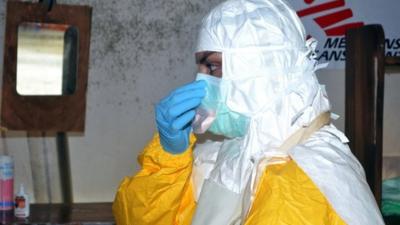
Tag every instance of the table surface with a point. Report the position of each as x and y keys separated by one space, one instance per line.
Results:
x=65 y=214
x=85 y=214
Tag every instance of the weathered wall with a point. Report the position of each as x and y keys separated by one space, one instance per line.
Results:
x=140 y=50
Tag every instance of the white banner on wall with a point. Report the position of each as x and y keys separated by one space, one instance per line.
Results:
x=327 y=21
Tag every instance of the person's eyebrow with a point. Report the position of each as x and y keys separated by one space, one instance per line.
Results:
x=204 y=58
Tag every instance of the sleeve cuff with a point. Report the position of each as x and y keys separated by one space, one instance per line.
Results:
x=154 y=154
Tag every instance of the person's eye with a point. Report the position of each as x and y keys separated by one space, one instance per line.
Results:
x=211 y=67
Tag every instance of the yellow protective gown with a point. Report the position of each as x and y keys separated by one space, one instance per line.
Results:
x=162 y=193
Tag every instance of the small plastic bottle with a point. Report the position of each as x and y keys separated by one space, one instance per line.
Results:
x=6 y=189
x=21 y=204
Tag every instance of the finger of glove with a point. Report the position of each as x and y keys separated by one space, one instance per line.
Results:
x=179 y=98
x=160 y=111
x=178 y=104
x=179 y=95
x=165 y=120
x=183 y=120
x=183 y=107
x=193 y=90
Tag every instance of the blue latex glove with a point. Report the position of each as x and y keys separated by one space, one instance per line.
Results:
x=175 y=113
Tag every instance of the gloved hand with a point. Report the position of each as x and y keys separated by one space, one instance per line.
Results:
x=175 y=113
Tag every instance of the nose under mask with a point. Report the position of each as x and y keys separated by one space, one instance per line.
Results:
x=213 y=115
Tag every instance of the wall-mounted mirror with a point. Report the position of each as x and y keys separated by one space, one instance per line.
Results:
x=46 y=59
x=46 y=63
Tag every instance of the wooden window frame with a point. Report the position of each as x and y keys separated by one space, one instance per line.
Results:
x=45 y=113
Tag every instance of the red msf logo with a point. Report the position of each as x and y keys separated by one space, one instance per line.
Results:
x=328 y=22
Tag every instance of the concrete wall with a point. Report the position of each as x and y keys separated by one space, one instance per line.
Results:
x=140 y=50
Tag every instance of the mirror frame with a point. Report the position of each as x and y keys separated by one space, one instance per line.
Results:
x=45 y=113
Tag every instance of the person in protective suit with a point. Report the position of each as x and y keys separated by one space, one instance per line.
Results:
x=279 y=161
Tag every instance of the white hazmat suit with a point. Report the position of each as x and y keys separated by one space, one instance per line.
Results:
x=269 y=68
x=268 y=76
